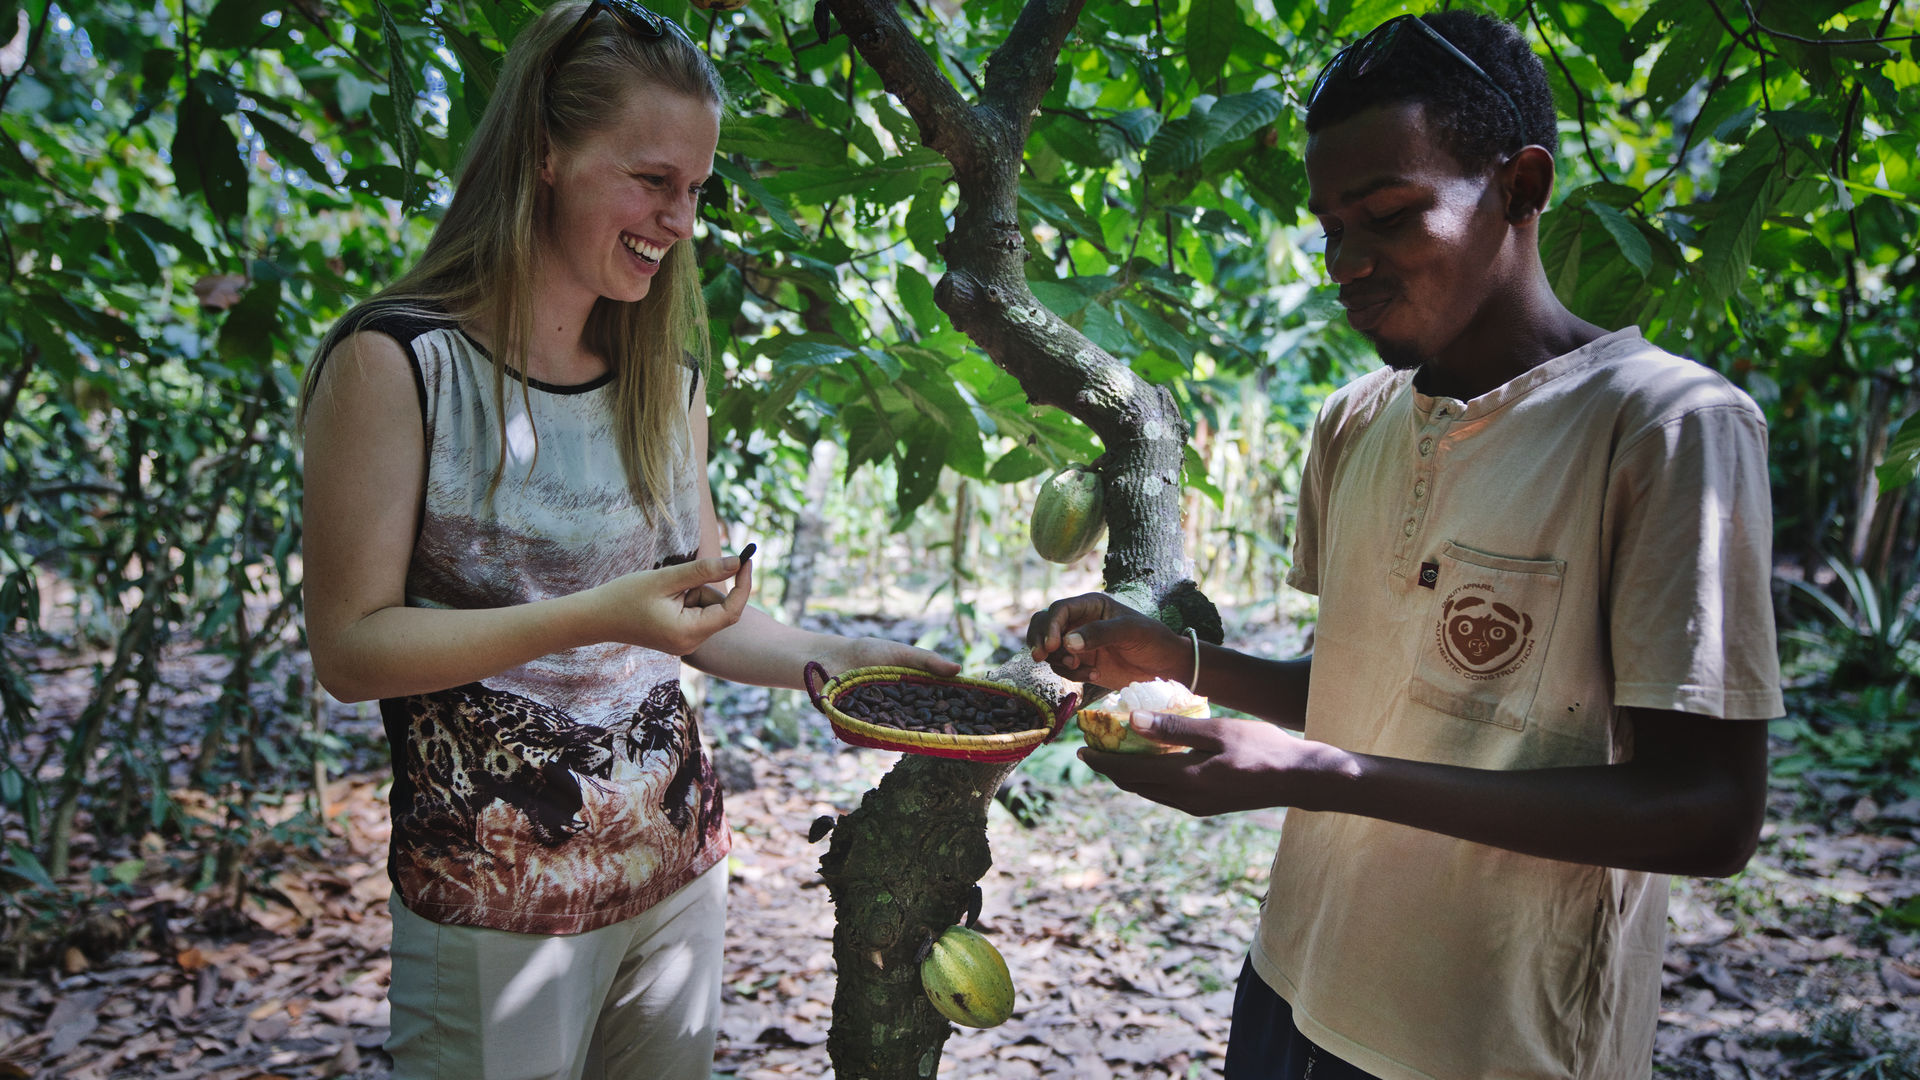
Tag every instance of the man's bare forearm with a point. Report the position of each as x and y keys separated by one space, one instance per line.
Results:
x=1273 y=690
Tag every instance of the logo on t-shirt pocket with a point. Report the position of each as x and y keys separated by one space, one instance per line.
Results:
x=1489 y=629
x=1480 y=636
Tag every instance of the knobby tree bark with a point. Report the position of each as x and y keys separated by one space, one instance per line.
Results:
x=904 y=866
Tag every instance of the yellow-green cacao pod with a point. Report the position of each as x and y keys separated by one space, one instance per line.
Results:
x=1069 y=516
x=966 y=979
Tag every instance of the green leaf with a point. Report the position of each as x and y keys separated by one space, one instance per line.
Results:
x=1799 y=123
x=26 y=866
x=353 y=93
x=1182 y=142
x=1906 y=915
x=916 y=295
x=926 y=223
x=893 y=180
x=1560 y=248
x=1075 y=138
x=157 y=67
x=725 y=290
x=889 y=364
x=293 y=151
x=233 y=23
x=1237 y=116
x=1685 y=59
x=400 y=95
x=1127 y=132
x=1211 y=25
x=206 y=156
x=1632 y=243
x=1728 y=242
x=56 y=352
x=796 y=352
x=774 y=205
x=13 y=787
x=1903 y=456
x=137 y=252
x=1061 y=298
x=1599 y=33
x=868 y=439
x=1058 y=208
x=1193 y=473
x=917 y=473
x=1101 y=328
x=479 y=64
x=1163 y=334
x=29 y=95
x=100 y=329
x=1016 y=465
x=247 y=333
x=781 y=139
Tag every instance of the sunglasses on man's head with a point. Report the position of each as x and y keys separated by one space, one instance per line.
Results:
x=1371 y=53
x=638 y=21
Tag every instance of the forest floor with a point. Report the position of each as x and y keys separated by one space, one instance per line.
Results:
x=1124 y=924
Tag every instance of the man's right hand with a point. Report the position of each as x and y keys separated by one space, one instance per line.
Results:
x=1095 y=638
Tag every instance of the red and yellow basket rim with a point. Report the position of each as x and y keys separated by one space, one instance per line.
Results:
x=1002 y=746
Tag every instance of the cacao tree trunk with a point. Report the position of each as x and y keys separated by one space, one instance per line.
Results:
x=901 y=869
x=904 y=864
x=809 y=536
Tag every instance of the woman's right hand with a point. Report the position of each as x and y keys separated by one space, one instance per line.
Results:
x=673 y=609
x=1095 y=638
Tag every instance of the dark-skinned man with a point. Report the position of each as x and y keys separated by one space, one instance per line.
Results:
x=1545 y=647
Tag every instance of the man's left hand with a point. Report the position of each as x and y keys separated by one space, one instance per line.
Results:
x=1228 y=765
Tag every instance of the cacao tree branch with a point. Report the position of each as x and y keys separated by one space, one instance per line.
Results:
x=1021 y=70
x=1579 y=95
x=10 y=396
x=36 y=33
x=985 y=292
x=947 y=123
x=903 y=864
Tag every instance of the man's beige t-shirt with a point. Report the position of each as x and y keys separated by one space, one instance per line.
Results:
x=1497 y=580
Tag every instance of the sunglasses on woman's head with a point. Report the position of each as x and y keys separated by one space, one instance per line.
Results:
x=1371 y=53
x=638 y=21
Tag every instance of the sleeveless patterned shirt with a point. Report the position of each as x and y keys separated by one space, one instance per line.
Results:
x=571 y=792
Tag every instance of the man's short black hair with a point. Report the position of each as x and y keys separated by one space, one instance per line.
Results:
x=1473 y=123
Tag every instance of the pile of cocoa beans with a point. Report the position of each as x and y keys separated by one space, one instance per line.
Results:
x=953 y=709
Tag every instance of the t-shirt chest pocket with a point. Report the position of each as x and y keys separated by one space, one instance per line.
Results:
x=1485 y=641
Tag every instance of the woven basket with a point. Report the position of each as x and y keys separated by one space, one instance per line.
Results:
x=1003 y=746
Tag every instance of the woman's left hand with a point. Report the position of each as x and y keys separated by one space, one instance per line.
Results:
x=875 y=652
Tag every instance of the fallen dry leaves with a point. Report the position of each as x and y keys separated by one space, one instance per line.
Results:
x=1124 y=925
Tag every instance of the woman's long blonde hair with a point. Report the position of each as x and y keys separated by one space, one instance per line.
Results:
x=480 y=263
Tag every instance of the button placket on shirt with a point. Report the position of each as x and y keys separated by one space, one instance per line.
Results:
x=1432 y=432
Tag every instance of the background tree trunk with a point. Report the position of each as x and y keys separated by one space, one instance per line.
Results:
x=809 y=535
x=903 y=865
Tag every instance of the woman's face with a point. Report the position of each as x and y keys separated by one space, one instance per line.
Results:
x=624 y=195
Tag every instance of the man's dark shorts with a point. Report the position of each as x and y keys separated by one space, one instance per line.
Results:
x=1264 y=1044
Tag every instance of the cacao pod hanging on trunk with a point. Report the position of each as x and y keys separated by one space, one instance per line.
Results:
x=1069 y=517
x=966 y=979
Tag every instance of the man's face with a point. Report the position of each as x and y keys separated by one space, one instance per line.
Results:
x=1414 y=244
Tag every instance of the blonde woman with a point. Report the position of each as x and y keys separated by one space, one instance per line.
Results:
x=510 y=542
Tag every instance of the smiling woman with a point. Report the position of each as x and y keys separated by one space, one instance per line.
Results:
x=621 y=198
x=518 y=574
